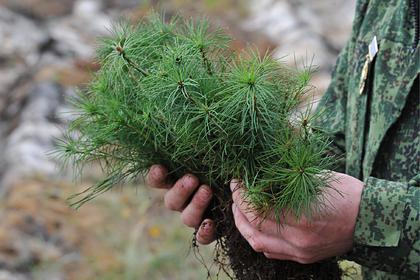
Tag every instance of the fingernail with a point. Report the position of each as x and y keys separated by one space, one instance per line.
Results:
x=208 y=228
x=233 y=208
x=233 y=184
x=158 y=172
x=203 y=194
x=188 y=182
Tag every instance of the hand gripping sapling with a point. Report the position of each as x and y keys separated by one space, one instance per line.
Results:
x=176 y=93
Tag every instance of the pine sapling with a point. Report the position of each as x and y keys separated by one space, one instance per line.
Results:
x=176 y=93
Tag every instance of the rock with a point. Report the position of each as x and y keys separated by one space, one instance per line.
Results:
x=39 y=9
x=18 y=50
x=43 y=102
x=77 y=33
x=9 y=275
x=41 y=72
x=123 y=4
x=24 y=150
x=330 y=19
x=306 y=31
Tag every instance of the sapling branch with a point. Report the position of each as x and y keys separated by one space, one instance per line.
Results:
x=205 y=62
x=129 y=61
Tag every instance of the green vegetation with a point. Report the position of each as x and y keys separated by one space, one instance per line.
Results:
x=176 y=93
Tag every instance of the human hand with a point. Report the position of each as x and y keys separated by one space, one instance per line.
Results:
x=177 y=198
x=327 y=236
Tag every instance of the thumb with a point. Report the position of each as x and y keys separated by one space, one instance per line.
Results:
x=158 y=177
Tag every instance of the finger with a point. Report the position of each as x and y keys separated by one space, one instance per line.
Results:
x=249 y=232
x=238 y=195
x=301 y=258
x=158 y=177
x=273 y=246
x=205 y=234
x=270 y=255
x=241 y=200
x=176 y=198
x=256 y=219
x=266 y=222
x=193 y=213
x=288 y=244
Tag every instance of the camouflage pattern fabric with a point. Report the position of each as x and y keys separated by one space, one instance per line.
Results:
x=379 y=133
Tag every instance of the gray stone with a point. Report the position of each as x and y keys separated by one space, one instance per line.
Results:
x=19 y=41
x=24 y=149
x=9 y=275
x=304 y=29
x=39 y=9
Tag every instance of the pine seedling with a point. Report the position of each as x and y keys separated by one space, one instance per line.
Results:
x=176 y=93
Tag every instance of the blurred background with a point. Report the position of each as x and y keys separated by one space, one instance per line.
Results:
x=126 y=234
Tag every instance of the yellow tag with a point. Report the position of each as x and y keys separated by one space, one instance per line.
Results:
x=373 y=50
x=364 y=75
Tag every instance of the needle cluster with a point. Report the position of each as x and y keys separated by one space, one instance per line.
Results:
x=176 y=93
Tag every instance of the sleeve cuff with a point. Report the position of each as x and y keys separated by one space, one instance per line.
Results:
x=380 y=214
x=387 y=227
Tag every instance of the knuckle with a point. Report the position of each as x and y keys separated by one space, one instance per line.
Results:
x=189 y=220
x=172 y=206
x=304 y=245
x=304 y=255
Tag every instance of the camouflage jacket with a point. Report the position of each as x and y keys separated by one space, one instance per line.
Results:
x=378 y=130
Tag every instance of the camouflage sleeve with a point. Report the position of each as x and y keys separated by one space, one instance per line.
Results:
x=387 y=228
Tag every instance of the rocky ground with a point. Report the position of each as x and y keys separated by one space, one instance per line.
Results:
x=44 y=48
